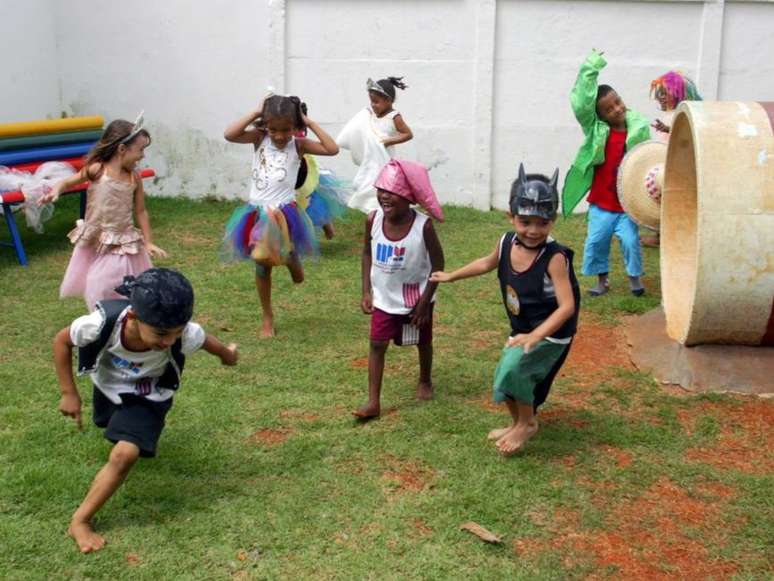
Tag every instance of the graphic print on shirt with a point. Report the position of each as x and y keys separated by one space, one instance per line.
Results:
x=411 y=294
x=512 y=299
x=390 y=257
x=144 y=386
x=129 y=366
x=271 y=167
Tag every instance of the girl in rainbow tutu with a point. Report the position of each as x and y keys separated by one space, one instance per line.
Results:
x=272 y=229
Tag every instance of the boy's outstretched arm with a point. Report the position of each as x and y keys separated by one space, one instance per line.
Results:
x=228 y=354
x=583 y=97
x=559 y=273
x=421 y=314
x=476 y=268
x=70 y=404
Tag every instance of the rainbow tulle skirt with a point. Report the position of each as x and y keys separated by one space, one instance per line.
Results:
x=269 y=235
x=322 y=194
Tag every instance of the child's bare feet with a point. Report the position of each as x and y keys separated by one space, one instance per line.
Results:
x=515 y=439
x=368 y=411
x=424 y=391
x=498 y=433
x=84 y=536
x=267 y=328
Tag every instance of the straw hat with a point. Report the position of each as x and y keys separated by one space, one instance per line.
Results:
x=641 y=181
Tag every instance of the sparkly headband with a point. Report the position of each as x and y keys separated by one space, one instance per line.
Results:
x=139 y=125
x=374 y=86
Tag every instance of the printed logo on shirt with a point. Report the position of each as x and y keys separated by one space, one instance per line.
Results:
x=389 y=257
x=144 y=386
x=411 y=295
x=129 y=366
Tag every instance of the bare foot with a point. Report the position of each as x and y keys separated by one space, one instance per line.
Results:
x=328 y=231
x=84 y=536
x=515 y=439
x=424 y=391
x=368 y=411
x=267 y=328
x=498 y=433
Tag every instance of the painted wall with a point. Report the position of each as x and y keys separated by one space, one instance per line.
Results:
x=30 y=63
x=488 y=79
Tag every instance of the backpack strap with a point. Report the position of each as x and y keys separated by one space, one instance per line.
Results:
x=89 y=354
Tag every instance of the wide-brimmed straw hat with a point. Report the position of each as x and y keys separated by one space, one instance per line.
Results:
x=640 y=182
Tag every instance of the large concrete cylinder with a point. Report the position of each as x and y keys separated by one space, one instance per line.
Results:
x=717 y=224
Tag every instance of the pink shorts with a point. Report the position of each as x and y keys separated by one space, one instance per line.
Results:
x=398 y=328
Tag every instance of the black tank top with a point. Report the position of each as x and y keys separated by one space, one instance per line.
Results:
x=524 y=294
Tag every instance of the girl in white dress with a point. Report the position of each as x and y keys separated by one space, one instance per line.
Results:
x=370 y=136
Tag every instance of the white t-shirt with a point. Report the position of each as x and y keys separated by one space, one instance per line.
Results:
x=120 y=370
x=400 y=269
x=273 y=179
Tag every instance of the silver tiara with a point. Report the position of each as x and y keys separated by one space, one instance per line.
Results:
x=373 y=86
x=139 y=125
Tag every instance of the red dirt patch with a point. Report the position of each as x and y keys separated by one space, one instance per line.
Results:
x=270 y=437
x=561 y=415
x=421 y=527
x=299 y=415
x=596 y=351
x=746 y=439
x=359 y=363
x=407 y=475
x=622 y=458
x=132 y=559
x=652 y=536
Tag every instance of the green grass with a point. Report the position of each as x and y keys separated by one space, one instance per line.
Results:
x=336 y=499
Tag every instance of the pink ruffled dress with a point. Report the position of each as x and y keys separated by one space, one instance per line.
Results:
x=107 y=244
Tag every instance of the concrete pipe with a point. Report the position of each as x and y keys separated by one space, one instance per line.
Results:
x=717 y=224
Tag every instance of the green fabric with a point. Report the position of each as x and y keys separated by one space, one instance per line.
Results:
x=583 y=99
x=518 y=373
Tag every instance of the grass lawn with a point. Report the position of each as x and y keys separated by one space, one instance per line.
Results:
x=262 y=472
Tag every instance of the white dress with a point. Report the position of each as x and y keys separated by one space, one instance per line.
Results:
x=363 y=136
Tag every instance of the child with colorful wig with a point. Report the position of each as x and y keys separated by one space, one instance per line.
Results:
x=272 y=229
x=671 y=89
x=400 y=251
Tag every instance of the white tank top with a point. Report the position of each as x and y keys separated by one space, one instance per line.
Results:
x=273 y=179
x=399 y=268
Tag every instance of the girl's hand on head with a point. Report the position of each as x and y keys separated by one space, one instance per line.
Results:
x=70 y=406
x=155 y=251
x=524 y=340
x=659 y=125
x=231 y=355
x=366 y=304
x=440 y=276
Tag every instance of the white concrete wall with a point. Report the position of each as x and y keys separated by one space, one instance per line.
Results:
x=193 y=66
x=30 y=67
x=488 y=79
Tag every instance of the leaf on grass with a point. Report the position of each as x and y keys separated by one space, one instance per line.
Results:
x=481 y=532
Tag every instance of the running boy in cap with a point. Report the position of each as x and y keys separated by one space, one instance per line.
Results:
x=135 y=351
x=541 y=298
x=400 y=251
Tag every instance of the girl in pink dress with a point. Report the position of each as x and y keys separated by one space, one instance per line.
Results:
x=108 y=246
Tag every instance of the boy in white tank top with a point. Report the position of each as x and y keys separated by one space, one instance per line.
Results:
x=400 y=251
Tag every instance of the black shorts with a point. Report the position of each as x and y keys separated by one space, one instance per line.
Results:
x=137 y=420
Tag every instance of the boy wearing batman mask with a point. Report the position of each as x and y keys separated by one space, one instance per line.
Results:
x=135 y=351
x=541 y=298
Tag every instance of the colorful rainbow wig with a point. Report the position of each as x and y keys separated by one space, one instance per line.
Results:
x=677 y=88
